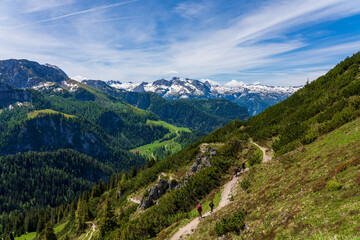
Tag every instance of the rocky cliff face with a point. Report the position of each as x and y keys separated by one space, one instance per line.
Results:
x=154 y=194
x=9 y=95
x=52 y=132
x=26 y=74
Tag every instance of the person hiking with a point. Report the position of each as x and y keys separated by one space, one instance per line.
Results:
x=243 y=166
x=199 y=209
x=211 y=205
x=236 y=170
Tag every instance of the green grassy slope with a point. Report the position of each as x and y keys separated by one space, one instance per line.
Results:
x=171 y=143
x=307 y=193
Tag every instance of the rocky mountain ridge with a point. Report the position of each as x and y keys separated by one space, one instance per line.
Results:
x=255 y=97
x=26 y=74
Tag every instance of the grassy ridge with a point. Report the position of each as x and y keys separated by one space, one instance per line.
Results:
x=39 y=113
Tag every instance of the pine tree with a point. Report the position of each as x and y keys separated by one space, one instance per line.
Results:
x=124 y=177
x=81 y=215
x=72 y=209
x=41 y=224
x=60 y=215
x=133 y=172
x=11 y=236
x=49 y=232
x=108 y=222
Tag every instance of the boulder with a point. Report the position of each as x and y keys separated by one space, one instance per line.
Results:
x=173 y=184
x=194 y=168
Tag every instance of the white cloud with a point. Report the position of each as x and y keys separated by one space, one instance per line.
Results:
x=79 y=78
x=234 y=83
x=213 y=83
x=191 y=9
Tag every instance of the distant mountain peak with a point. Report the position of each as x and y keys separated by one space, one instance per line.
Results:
x=23 y=73
x=255 y=97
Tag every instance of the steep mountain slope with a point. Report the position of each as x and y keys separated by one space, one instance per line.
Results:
x=308 y=193
x=202 y=115
x=255 y=97
x=26 y=74
x=36 y=179
x=318 y=108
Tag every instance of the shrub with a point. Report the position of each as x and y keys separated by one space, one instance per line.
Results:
x=319 y=185
x=308 y=138
x=255 y=159
x=333 y=185
x=355 y=161
x=245 y=184
x=342 y=167
x=232 y=224
x=357 y=180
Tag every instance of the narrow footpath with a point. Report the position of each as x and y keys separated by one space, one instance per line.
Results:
x=188 y=229
x=229 y=190
x=91 y=230
x=266 y=156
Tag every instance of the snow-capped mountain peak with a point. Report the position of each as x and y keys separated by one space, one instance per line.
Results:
x=255 y=97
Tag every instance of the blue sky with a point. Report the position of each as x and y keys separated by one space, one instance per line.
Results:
x=272 y=42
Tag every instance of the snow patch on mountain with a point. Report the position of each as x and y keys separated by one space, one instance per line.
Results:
x=255 y=97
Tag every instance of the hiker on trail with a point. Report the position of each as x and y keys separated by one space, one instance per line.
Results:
x=243 y=166
x=199 y=209
x=211 y=205
x=236 y=170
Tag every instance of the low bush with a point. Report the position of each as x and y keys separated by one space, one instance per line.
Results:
x=357 y=180
x=342 y=167
x=333 y=185
x=245 y=184
x=319 y=185
x=232 y=224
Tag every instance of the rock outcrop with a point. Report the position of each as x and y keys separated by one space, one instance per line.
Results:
x=161 y=187
x=154 y=194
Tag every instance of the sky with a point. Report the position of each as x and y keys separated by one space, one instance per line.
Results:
x=272 y=42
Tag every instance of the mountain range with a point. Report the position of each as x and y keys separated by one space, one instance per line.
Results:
x=301 y=178
x=45 y=114
x=255 y=97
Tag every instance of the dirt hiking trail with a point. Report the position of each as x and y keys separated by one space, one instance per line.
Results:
x=229 y=190
x=267 y=156
x=226 y=194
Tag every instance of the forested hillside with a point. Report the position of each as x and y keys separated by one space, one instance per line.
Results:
x=68 y=137
x=318 y=108
x=36 y=179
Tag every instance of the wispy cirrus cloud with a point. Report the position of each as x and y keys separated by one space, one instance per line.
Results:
x=33 y=6
x=192 y=9
x=74 y=14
